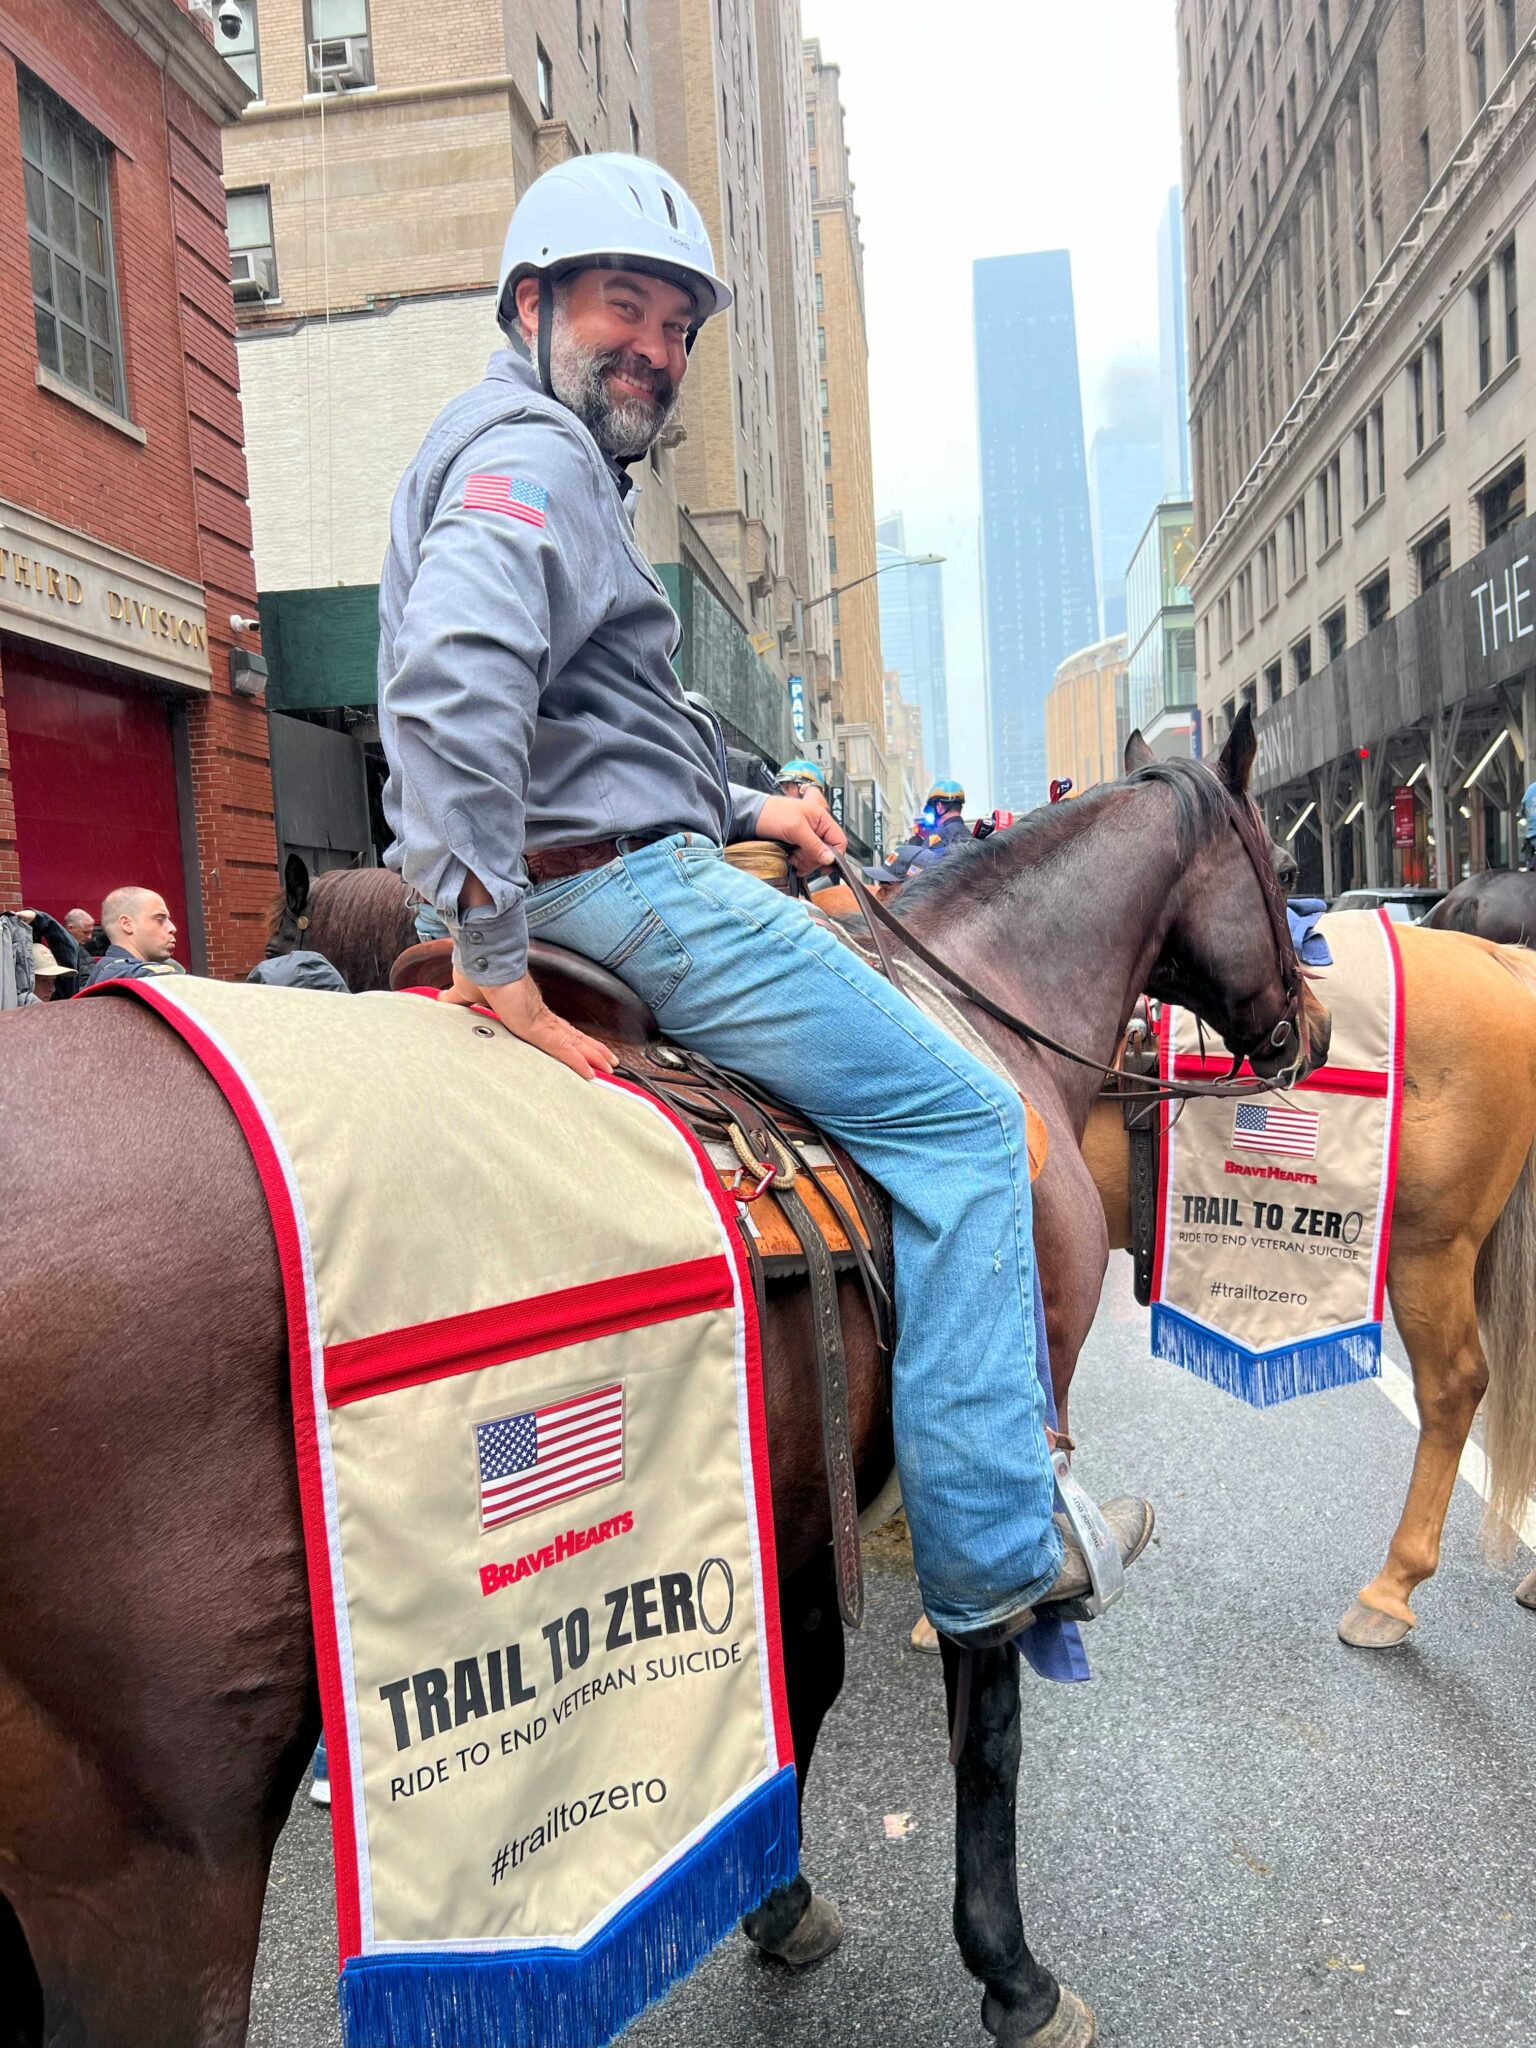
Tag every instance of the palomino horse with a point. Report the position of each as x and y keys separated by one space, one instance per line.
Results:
x=1463 y=1247
x=157 y=1686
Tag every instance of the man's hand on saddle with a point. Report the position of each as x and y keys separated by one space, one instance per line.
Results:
x=806 y=827
x=527 y=1016
x=524 y=1011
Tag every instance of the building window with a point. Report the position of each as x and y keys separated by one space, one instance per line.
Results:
x=340 y=49
x=1503 y=502
x=1507 y=31
x=826 y=449
x=1244 y=603
x=1296 y=542
x=1432 y=556
x=827 y=497
x=634 y=134
x=815 y=186
x=1424 y=160
x=1301 y=659
x=1370 y=458
x=821 y=344
x=627 y=15
x=69 y=239
x=837 y=659
x=1416 y=402
x=824 y=394
x=1333 y=633
x=1273 y=685
x=1478 y=59
x=810 y=127
x=1482 y=307
x=815 y=237
x=544 y=74
x=819 y=298
x=1376 y=601
x=1224 y=624
x=1420 y=26
x=1434 y=361
x=597 y=62
x=1329 y=517
x=252 y=258
x=241 y=51
x=837 y=608
x=741 y=404
x=1511 y=303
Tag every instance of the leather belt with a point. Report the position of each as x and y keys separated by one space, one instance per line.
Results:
x=556 y=862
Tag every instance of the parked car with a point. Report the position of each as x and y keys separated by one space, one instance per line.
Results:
x=1404 y=906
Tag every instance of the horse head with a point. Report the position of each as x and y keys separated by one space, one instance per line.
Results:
x=1227 y=953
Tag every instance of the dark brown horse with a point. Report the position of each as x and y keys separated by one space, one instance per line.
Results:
x=1499 y=905
x=157 y=1691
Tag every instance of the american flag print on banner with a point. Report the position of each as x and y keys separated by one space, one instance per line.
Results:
x=550 y=1454
x=1269 y=1127
x=514 y=495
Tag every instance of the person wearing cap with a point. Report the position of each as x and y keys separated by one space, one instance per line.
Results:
x=796 y=777
x=548 y=776
x=46 y=972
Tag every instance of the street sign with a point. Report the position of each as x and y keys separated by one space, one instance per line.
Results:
x=1404 y=815
x=797 y=705
x=764 y=643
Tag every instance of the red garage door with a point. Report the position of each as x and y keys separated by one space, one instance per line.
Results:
x=95 y=784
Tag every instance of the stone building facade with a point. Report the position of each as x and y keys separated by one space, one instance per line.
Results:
x=125 y=753
x=1358 y=185
x=1085 y=716
x=842 y=355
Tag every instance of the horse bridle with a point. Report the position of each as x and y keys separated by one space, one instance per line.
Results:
x=1145 y=1087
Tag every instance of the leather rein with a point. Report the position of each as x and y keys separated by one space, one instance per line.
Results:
x=1143 y=1087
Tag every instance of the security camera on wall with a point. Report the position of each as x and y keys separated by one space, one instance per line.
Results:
x=230 y=17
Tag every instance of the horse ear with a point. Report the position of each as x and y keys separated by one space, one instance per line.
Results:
x=1137 y=753
x=295 y=884
x=1236 y=763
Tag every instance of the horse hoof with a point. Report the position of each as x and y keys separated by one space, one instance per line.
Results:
x=1071 y=2025
x=1367 y=1628
x=1525 y=1592
x=925 y=1637
x=814 y=1936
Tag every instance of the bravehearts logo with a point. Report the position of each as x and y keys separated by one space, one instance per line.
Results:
x=494 y=1576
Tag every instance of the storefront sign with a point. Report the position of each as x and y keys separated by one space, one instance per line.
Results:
x=69 y=591
x=1404 y=816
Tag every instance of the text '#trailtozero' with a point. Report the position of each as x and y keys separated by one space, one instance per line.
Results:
x=549 y=1454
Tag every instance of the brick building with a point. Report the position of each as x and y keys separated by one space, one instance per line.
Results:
x=125 y=756
x=1359 y=182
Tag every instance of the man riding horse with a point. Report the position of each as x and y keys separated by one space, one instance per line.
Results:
x=548 y=776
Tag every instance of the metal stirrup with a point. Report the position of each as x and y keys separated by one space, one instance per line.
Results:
x=1106 y=1571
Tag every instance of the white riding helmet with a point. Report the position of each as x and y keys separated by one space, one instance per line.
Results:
x=620 y=210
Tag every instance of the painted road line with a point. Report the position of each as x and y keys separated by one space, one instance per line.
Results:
x=1398 y=1388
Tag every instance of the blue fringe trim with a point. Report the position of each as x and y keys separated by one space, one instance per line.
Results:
x=580 y=1998
x=1264 y=1378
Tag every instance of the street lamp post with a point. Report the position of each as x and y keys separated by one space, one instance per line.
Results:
x=902 y=562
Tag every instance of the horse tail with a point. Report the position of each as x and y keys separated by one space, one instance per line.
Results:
x=1506 y=1313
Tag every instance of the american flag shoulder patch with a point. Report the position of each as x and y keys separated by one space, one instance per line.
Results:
x=1274 y=1127
x=549 y=1454
x=513 y=495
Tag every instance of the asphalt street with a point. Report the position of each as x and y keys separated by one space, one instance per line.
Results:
x=1239 y=1835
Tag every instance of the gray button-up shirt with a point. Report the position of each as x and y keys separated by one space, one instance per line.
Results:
x=526 y=692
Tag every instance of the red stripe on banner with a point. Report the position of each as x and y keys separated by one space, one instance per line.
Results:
x=1189 y=1066
x=756 y=1416
x=366 y=1366
x=1165 y=1128
x=1394 y=1117
x=317 y=1546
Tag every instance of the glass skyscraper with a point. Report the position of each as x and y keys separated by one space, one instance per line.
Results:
x=1172 y=350
x=1125 y=481
x=1037 y=543
x=912 y=637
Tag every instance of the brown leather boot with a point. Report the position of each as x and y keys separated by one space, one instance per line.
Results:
x=1131 y=1523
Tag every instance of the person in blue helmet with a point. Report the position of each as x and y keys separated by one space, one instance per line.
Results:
x=799 y=775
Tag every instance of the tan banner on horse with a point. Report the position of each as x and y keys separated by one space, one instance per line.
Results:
x=533 y=1463
x=1274 y=1210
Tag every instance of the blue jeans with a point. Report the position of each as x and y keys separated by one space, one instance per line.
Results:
x=743 y=973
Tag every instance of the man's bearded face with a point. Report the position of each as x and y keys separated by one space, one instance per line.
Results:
x=623 y=401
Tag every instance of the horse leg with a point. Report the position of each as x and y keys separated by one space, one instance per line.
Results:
x=793 y=1923
x=1432 y=1300
x=1024 y=2006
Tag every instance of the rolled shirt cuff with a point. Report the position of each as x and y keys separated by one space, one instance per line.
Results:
x=492 y=947
x=746 y=808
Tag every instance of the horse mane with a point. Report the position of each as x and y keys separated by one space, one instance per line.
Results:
x=359 y=918
x=977 y=869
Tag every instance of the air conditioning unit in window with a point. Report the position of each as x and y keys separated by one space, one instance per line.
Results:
x=341 y=63
x=253 y=276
